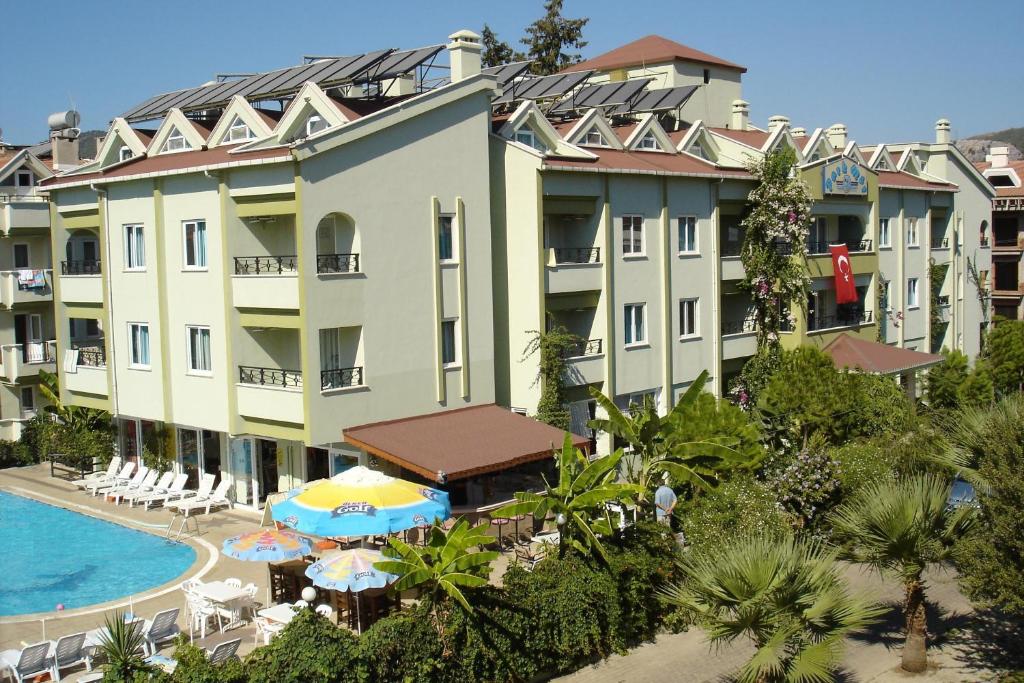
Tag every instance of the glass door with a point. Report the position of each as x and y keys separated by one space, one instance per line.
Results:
x=34 y=348
x=266 y=468
x=242 y=470
x=209 y=449
x=188 y=455
x=130 y=439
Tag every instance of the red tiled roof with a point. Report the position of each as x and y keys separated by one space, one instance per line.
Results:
x=624 y=130
x=651 y=162
x=461 y=443
x=751 y=138
x=146 y=135
x=848 y=351
x=650 y=50
x=171 y=162
x=902 y=179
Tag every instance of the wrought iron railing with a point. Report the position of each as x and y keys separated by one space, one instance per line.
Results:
x=80 y=267
x=339 y=378
x=984 y=240
x=577 y=254
x=271 y=377
x=825 y=322
x=940 y=242
x=93 y=357
x=739 y=326
x=814 y=247
x=1006 y=241
x=337 y=263
x=265 y=265
x=584 y=347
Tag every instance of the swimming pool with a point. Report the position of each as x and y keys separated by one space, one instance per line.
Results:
x=55 y=556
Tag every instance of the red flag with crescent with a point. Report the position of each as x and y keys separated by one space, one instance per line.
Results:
x=846 y=289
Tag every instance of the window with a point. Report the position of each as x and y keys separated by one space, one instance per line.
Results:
x=648 y=141
x=883 y=232
x=21 y=256
x=176 y=142
x=912 y=232
x=134 y=248
x=138 y=345
x=527 y=137
x=195 y=244
x=688 y=318
x=634 y=325
x=199 y=349
x=633 y=235
x=28 y=400
x=238 y=131
x=707 y=76
x=23 y=178
x=444 y=237
x=449 y=347
x=125 y=153
x=688 y=235
x=697 y=150
x=912 y=293
x=639 y=398
x=594 y=137
x=92 y=327
x=314 y=124
x=886 y=295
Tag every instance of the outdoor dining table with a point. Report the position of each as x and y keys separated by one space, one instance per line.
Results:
x=280 y=614
x=222 y=594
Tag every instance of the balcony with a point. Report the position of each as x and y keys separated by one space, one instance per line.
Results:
x=739 y=338
x=585 y=362
x=944 y=309
x=90 y=376
x=35 y=287
x=817 y=323
x=341 y=378
x=1006 y=240
x=983 y=241
x=337 y=264
x=81 y=267
x=266 y=282
x=820 y=248
x=940 y=242
x=270 y=394
x=80 y=282
x=23 y=212
x=573 y=269
x=25 y=360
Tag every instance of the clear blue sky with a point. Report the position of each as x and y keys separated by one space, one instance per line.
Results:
x=886 y=68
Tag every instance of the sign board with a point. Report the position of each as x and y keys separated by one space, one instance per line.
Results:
x=843 y=176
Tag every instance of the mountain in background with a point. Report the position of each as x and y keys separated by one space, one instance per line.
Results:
x=87 y=143
x=977 y=146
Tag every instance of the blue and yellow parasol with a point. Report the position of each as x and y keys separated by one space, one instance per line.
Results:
x=350 y=570
x=268 y=545
x=361 y=502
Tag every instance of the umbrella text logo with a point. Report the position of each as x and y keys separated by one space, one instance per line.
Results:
x=354 y=509
x=429 y=494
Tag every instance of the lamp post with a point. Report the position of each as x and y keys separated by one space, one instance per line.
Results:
x=560 y=521
x=309 y=595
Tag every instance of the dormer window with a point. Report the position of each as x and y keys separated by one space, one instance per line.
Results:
x=648 y=142
x=527 y=137
x=23 y=179
x=922 y=161
x=697 y=150
x=1000 y=180
x=814 y=157
x=239 y=131
x=176 y=142
x=314 y=124
x=125 y=153
x=594 y=138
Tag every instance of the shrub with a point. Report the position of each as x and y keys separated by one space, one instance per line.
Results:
x=195 y=667
x=642 y=564
x=401 y=648
x=488 y=644
x=742 y=505
x=309 y=650
x=944 y=380
x=1005 y=355
x=807 y=486
x=863 y=463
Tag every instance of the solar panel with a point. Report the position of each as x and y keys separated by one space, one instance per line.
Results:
x=603 y=95
x=541 y=87
x=506 y=72
x=399 y=63
x=662 y=99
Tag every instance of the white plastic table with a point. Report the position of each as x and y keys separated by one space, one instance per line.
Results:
x=281 y=614
x=222 y=594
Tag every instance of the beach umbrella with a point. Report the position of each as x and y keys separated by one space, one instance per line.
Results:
x=350 y=570
x=267 y=545
x=360 y=502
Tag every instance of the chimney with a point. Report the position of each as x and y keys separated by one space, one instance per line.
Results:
x=740 y=115
x=798 y=132
x=999 y=156
x=836 y=135
x=402 y=85
x=942 y=130
x=777 y=121
x=464 y=54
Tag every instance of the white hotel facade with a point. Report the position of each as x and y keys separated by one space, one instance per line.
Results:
x=268 y=270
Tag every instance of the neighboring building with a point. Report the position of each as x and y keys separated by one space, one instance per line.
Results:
x=1007 y=281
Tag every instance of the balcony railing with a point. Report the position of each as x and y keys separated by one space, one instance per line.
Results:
x=339 y=378
x=337 y=263
x=984 y=240
x=265 y=265
x=584 y=347
x=825 y=322
x=823 y=247
x=80 y=267
x=940 y=242
x=93 y=357
x=732 y=248
x=577 y=255
x=270 y=377
x=1006 y=240
x=739 y=326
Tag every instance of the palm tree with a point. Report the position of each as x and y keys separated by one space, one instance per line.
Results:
x=579 y=500
x=899 y=527
x=121 y=644
x=783 y=594
x=75 y=417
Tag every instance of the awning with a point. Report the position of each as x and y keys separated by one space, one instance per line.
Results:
x=461 y=443
x=848 y=351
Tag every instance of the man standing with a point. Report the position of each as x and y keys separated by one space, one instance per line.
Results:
x=664 y=502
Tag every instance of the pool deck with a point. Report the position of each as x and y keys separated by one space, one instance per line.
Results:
x=36 y=482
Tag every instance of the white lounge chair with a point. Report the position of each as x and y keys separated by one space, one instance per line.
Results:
x=67 y=652
x=172 y=492
x=111 y=472
x=161 y=484
x=163 y=628
x=140 y=475
x=123 y=476
x=219 y=498
x=27 y=663
x=225 y=651
x=145 y=485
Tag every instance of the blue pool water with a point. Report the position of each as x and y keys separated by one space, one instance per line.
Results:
x=51 y=555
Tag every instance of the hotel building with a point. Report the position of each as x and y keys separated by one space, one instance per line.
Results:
x=1007 y=282
x=300 y=268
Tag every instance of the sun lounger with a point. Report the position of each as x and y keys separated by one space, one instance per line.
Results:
x=67 y=652
x=111 y=472
x=147 y=483
x=124 y=476
x=216 y=499
x=27 y=663
x=173 y=492
x=162 y=629
x=134 y=482
x=161 y=486
x=205 y=487
x=225 y=651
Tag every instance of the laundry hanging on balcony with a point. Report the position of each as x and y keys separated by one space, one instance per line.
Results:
x=31 y=279
x=846 y=288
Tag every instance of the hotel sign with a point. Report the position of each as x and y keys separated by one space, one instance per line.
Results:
x=843 y=176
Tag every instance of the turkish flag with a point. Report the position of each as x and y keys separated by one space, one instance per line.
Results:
x=846 y=289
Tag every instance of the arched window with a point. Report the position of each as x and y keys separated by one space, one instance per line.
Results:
x=337 y=245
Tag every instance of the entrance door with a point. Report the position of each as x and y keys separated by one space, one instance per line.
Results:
x=242 y=470
x=130 y=439
x=35 y=349
x=266 y=467
x=188 y=455
x=209 y=450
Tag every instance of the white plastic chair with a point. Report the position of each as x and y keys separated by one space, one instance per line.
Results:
x=68 y=652
x=27 y=663
x=301 y=603
x=233 y=582
x=201 y=612
x=266 y=628
x=325 y=611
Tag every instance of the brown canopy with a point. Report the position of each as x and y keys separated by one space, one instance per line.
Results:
x=852 y=352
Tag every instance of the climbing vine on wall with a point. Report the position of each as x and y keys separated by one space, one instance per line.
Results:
x=936 y=276
x=553 y=346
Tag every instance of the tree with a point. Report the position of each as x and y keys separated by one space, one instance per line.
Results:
x=496 y=52
x=1005 y=355
x=310 y=649
x=548 y=39
x=899 y=527
x=787 y=596
x=945 y=379
x=120 y=645
x=991 y=558
x=75 y=417
x=977 y=390
x=554 y=346
x=708 y=419
x=578 y=501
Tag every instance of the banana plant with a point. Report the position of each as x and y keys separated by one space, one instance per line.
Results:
x=579 y=500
